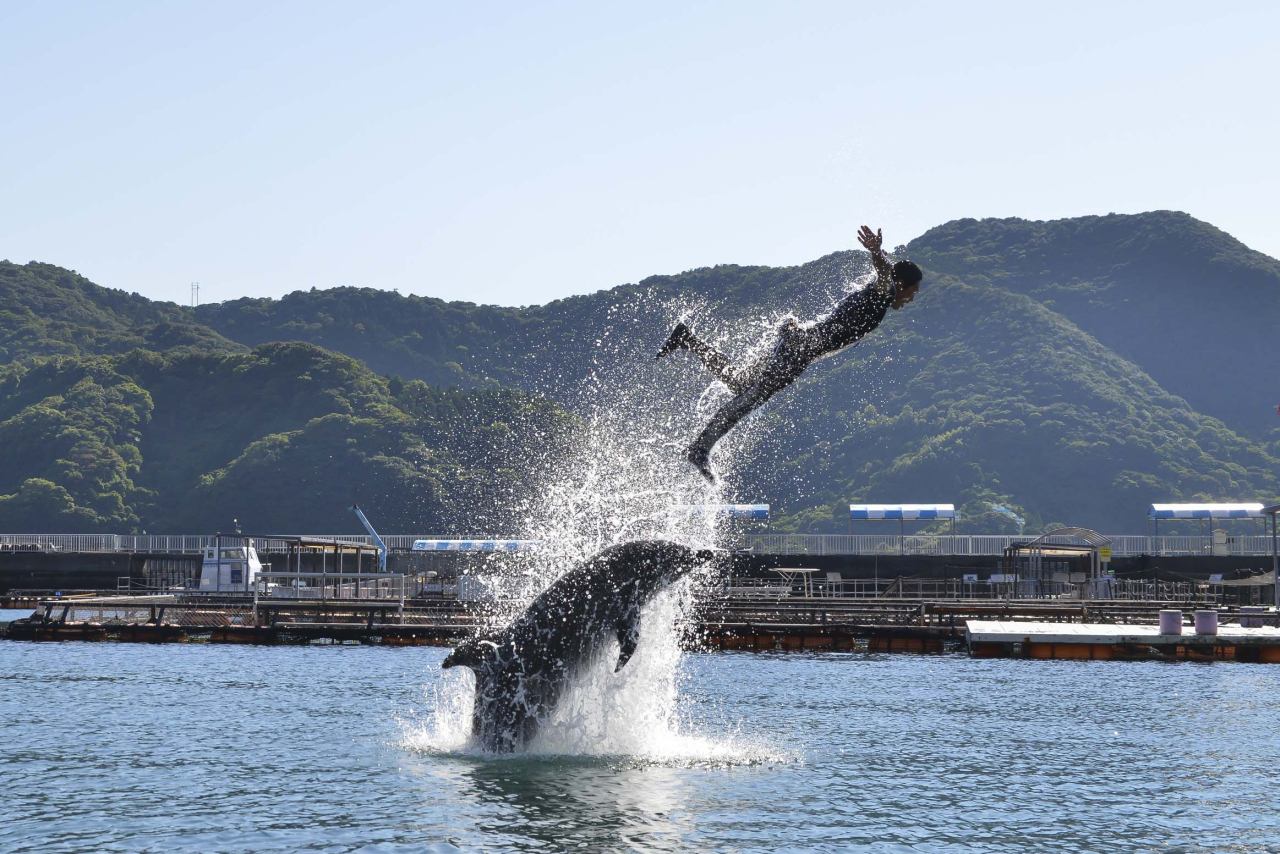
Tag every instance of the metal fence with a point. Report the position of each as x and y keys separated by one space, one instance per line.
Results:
x=297 y=586
x=1122 y=545
x=140 y=610
x=170 y=543
x=742 y=589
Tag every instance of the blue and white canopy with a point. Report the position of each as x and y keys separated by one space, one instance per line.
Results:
x=1205 y=511
x=902 y=511
x=729 y=511
x=475 y=545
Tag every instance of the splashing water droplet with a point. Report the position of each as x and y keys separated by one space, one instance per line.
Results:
x=622 y=474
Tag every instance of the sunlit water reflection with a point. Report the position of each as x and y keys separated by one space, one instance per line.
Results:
x=121 y=747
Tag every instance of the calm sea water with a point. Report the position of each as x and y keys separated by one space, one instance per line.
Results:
x=121 y=747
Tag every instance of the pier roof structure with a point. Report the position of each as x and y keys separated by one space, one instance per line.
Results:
x=1092 y=540
x=296 y=545
x=303 y=541
x=1030 y=557
x=902 y=511
x=1205 y=511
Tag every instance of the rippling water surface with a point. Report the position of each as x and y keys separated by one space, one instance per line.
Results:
x=121 y=747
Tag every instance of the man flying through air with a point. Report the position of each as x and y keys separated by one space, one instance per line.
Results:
x=796 y=347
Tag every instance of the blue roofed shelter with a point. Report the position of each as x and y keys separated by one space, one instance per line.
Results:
x=455 y=556
x=903 y=513
x=1202 y=512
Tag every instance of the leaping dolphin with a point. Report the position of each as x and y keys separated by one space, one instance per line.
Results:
x=522 y=670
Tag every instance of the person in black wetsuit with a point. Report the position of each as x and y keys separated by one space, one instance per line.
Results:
x=796 y=346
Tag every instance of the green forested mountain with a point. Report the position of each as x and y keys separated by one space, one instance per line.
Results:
x=1194 y=307
x=1182 y=300
x=465 y=344
x=1074 y=371
x=46 y=310
x=283 y=437
x=989 y=397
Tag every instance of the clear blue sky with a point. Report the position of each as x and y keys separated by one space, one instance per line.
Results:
x=516 y=153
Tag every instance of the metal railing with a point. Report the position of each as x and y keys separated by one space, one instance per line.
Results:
x=329 y=586
x=61 y=542
x=169 y=543
x=758 y=590
x=1122 y=545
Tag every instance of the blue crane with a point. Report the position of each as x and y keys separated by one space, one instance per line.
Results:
x=382 y=547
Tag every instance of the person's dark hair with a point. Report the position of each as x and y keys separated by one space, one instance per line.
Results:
x=907 y=273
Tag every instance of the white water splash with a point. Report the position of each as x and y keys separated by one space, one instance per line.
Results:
x=635 y=714
x=621 y=482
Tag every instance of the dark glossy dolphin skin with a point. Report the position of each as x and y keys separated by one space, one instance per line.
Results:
x=522 y=670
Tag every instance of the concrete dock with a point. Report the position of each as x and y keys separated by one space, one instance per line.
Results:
x=1105 y=641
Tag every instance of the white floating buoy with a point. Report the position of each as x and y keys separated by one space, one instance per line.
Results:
x=1206 y=622
x=1170 y=622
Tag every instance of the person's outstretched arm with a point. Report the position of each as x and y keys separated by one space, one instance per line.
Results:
x=873 y=242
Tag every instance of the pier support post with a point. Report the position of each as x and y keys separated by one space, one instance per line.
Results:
x=1275 y=562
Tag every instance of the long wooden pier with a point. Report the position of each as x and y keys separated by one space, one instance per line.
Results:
x=1036 y=628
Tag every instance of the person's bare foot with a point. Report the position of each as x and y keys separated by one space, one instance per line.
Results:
x=678 y=340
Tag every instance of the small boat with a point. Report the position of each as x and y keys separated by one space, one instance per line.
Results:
x=229 y=569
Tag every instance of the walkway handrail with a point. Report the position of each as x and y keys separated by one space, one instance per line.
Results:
x=1123 y=545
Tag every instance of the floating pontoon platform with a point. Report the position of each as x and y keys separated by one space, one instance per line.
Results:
x=1008 y=639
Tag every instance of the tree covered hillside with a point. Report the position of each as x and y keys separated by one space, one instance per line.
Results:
x=462 y=344
x=1074 y=371
x=986 y=397
x=1182 y=300
x=1194 y=307
x=284 y=437
x=46 y=310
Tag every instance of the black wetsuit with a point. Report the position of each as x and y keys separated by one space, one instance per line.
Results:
x=795 y=349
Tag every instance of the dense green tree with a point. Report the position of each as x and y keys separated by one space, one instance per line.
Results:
x=42 y=507
x=76 y=423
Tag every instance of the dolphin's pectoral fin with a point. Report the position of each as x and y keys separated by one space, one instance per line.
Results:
x=628 y=640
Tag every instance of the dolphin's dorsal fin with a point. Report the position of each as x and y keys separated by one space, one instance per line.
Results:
x=628 y=639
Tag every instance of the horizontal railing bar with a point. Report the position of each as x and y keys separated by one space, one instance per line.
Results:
x=332 y=576
x=1122 y=545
